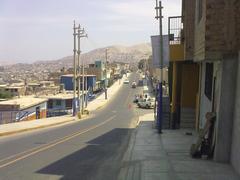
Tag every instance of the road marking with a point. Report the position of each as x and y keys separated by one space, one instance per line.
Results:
x=51 y=144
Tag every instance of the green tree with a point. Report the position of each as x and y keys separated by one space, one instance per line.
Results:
x=141 y=64
x=5 y=95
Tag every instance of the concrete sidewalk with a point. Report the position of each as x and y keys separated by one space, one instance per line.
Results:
x=13 y=128
x=151 y=156
x=100 y=101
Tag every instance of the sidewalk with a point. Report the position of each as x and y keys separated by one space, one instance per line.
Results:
x=100 y=101
x=13 y=128
x=151 y=156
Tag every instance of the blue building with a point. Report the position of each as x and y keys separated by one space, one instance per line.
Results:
x=100 y=64
x=67 y=80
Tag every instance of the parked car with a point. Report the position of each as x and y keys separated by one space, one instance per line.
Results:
x=136 y=98
x=91 y=97
x=134 y=84
x=146 y=103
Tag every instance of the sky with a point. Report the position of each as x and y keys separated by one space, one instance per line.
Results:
x=32 y=30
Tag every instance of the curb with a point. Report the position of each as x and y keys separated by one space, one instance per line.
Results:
x=50 y=125
x=39 y=127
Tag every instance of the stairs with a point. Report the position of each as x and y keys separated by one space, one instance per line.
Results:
x=166 y=113
x=187 y=118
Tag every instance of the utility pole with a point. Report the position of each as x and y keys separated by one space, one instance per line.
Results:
x=160 y=98
x=81 y=34
x=74 y=67
x=105 y=82
x=78 y=66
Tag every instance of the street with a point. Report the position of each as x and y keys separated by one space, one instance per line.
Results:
x=89 y=149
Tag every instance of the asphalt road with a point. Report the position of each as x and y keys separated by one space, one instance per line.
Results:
x=89 y=149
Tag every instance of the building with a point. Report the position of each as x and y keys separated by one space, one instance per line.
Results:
x=183 y=71
x=59 y=104
x=216 y=50
x=97 y=69
x=67 y=80
x=205 y=72
x=103 y=75
x=13 y=90
x=22 y=109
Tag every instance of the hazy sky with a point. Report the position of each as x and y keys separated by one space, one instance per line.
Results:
x=33 y=30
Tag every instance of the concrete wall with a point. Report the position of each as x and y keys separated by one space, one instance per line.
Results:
x=235 y=153
x=225 y=114
x=205 y=103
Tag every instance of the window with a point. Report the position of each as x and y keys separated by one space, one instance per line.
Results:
x=50 y=104
x=69 y=103
x=200 y=9
x=58 y=102
x=209 y=80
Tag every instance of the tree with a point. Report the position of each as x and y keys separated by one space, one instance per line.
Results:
x=141 y=64
x=5 y=95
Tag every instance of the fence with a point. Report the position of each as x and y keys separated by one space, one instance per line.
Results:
x=14 y=116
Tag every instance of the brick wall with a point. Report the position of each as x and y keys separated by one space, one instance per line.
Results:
x=188 y=27
x=215 y=26
x=218 y=32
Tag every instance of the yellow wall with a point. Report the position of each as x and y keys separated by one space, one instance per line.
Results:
x=189 y=89
x=176 y=52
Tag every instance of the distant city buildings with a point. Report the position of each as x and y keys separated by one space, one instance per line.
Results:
x=30 y=92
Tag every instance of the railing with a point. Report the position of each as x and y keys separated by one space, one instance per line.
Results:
x=175 y=27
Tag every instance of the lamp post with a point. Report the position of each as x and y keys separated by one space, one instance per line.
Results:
x=160 y=98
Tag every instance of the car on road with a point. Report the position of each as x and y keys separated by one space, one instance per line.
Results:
x=146 y=103
x=134 y=84
x=126 y=81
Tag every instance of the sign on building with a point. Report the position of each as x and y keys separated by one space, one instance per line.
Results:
x=156 y=51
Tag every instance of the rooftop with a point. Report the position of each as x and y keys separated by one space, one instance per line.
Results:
x=59 y=96
x=24 y=102
x=71 y=75
x=67 y=95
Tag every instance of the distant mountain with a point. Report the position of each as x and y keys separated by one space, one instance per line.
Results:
x=5 y=63
x=116 y=53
